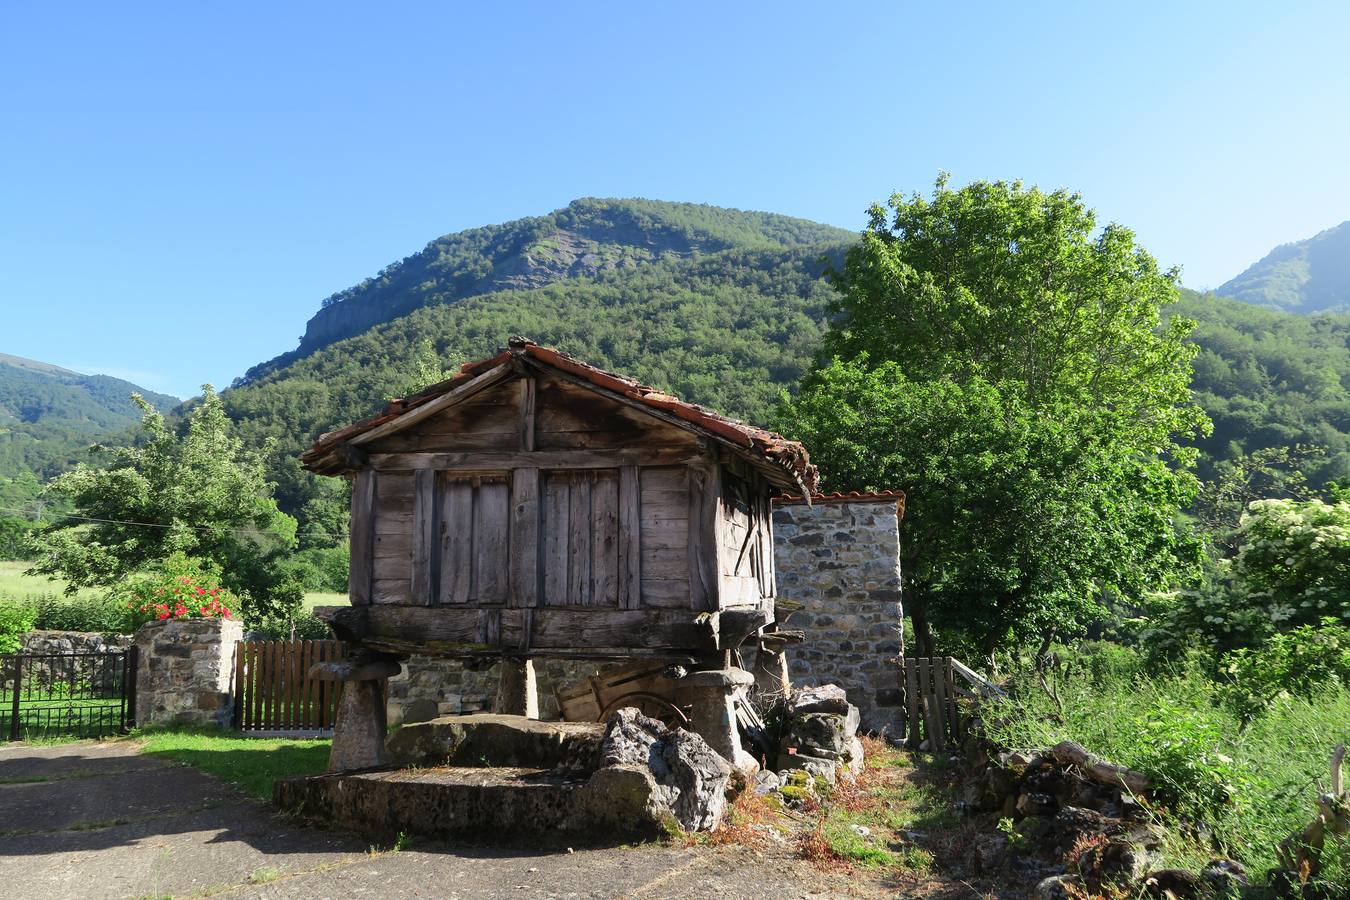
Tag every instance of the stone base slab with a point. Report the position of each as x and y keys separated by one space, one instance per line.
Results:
x=503 y=805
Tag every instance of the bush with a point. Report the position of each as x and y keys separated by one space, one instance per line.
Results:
x=16 y=618
x=1301 y=663
x=328 y=566
x=179 y=587
x=103 y=614
x=300 y=627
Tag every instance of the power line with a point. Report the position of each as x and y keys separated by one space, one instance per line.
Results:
x=326 y=534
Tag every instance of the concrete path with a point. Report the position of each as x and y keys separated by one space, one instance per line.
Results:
x=97 y=820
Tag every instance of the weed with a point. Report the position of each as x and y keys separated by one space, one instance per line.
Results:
x=264 y=876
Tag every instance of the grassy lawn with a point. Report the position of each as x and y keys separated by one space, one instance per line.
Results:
x=251 y=763
x=320 y=598
x=13 y=583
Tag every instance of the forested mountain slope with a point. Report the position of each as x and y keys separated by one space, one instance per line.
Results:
x=49 y=414
x=586 y=238
x=1271 y=379
x=1305 y=277
x=728 y=328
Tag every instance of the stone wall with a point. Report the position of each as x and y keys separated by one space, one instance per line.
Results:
x=73 y=642
x=429 y=687
x=840 y=559
x=186 y=672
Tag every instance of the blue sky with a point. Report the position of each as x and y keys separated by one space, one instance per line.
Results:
x=183 y=183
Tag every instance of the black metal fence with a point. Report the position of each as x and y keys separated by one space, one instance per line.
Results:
x=45 y=695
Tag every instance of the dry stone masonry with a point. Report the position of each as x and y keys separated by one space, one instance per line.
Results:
x=48 y=642
x=430 y=687
x=186 y=671
x=840 y=559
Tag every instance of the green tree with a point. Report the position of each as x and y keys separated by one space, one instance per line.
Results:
x=1008 y=366
x=201 y=493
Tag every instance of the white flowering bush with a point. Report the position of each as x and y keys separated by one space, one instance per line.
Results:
x=1291 y=569
x=1294 y=561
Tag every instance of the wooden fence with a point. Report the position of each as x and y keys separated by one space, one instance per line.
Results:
x=272 y=690
x=937 y=691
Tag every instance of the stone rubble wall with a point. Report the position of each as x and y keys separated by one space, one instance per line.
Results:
x=841 y=560
x=41 y=642
x=429 y=687
x=186 y=672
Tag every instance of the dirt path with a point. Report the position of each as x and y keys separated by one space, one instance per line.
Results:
x=97 y=820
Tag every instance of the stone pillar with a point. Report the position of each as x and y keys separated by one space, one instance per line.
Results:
x=358 y=735
x=362 y=724
x=186 y=672
x=712 y=695
x=840 y=558
x=517 y=693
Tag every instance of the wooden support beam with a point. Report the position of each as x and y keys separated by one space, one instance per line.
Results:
x=502 y=461
x=431 y=407
x=361 y=567
x=630 y=538
x=426 y=518
x=528 y=390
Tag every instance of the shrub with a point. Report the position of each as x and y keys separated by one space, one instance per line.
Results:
x=16 y=618
x=299 y=627
x=179 y=587
x=1302 y=663
x=103 y=614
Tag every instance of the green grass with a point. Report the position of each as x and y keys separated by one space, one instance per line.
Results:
x=14 y=583
x=251 y=763
x=1252 y=785
x=321 y=598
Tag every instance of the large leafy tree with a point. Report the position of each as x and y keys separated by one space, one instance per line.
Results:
x=1006 y=363
x=201 y=493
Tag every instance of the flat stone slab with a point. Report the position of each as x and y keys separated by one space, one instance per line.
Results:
x=504 y=804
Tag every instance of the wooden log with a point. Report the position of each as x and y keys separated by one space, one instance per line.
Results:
x=239 y=662
x=528 y=390
x=949 y=697
x=1098 y=769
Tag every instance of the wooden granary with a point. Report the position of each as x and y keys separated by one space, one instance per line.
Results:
x=536 y=506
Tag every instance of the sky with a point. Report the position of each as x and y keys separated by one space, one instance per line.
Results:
x=182 y=184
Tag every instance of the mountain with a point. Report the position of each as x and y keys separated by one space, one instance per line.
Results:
x=1271 y=379
x=1304 y=277
x=49 y=414
x=718 y=306
x=587 y=238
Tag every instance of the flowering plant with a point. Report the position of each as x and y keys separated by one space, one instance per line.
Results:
x=178 y=588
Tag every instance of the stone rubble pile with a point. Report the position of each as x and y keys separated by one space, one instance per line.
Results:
x=819 y=741
x=1078 y=827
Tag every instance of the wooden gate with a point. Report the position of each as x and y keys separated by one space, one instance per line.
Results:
x=272 y=690
x=935 y=699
